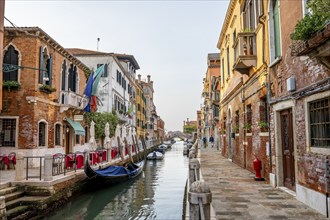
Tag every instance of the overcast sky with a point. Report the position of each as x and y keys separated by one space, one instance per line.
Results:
x=169 y=39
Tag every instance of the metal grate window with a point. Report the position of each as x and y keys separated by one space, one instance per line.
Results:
x=7 y=132
x=319 y=113
x=42 y=134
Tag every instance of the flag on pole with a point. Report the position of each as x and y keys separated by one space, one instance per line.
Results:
x=130 y=110
x=91 y=89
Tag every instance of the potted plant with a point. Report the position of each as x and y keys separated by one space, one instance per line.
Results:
x=247 y=127
x=47 y=89
x=11 y=85
x=236 y=129
x=263 y=125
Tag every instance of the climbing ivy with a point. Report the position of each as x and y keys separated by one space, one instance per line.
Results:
x=316 y=18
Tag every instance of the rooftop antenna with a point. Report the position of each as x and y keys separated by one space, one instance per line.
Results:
x=98 y=41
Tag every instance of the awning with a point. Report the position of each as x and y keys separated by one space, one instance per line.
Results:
x=78 y=129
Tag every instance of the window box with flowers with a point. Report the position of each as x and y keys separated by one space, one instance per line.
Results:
x=263 y=126
x=47 y=89
x=248 y=127
x=11 y=85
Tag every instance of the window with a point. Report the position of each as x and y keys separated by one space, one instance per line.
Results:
x=45 y=67
x=274 y=29
x=234 y=39
x=77 y=139
x=228 y=66
x=57 y=134
x=42 y=134
x=319 y=113
x=249 y=16
x=223 y=71
x=10 y=57
x=105 y=73
x=263 y=110
x=237 y=121
x=63 y=75
x=73 y=78
x=7 y=132
x=249 y=114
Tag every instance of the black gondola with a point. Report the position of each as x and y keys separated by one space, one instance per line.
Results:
x=113 y=174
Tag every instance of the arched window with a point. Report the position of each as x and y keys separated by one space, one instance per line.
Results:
x=58 y=134
x=42 y=133
x=73 y=78
x=45 y=67
x=63 y=75
x=10 y=57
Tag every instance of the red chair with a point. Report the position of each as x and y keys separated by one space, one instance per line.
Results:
x=69 y=161
x=79 y=159
x=11 y=160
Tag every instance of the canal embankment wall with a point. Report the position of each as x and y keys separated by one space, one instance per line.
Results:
x=51 y=192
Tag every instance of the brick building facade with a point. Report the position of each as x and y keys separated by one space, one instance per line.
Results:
x=300 y=108
x=37 y=117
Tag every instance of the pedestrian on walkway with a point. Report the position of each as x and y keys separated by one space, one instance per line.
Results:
x=211 y=140
x=204 y=141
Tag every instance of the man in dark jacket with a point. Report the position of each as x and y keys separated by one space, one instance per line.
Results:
x=211 y=140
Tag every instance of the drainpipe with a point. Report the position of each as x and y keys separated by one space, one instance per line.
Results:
x=268 y=91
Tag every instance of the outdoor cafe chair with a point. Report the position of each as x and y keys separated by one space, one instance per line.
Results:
x=11 y=160
x=57 y=163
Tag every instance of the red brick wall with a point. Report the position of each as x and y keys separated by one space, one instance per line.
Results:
x=15 y=103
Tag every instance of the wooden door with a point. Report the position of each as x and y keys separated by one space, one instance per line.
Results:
x=287 y=149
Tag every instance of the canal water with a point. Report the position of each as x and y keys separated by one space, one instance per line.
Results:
x=156 y=194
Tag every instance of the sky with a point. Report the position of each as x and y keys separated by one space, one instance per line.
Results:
x=169 y=39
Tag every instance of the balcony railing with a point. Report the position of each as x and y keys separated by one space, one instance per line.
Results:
x=71 y=99
x=245 y=52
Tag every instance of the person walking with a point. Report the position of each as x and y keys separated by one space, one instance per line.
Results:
x=204 y=141
x=211 y=140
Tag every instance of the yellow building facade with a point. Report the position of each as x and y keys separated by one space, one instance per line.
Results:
x=140 y=110
x=243 y=45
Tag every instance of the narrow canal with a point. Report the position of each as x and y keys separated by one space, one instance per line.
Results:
x=156 y=194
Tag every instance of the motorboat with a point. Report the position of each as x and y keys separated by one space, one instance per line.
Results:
x=155 y=155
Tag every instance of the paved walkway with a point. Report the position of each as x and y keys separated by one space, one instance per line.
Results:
x=236 y=195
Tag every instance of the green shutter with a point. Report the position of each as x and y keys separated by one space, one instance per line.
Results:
x=277 y=30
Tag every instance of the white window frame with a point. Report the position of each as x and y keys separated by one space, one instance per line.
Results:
x=271 y=40
x=16 y=132
x=307 y=100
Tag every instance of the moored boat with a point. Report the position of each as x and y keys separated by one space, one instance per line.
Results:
x=155 y=155
x=113 y=174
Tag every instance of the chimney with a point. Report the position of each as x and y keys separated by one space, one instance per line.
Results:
x=139 y=77
x=148 y=78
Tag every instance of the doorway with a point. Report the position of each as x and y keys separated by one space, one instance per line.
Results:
x=287 y=149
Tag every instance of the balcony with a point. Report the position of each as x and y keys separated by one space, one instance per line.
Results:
x=245 y=52
x=72 y=100
x=317 y=46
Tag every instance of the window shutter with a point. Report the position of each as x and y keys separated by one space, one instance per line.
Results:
x=277 y=30
x=50 y=71
x=41 y=61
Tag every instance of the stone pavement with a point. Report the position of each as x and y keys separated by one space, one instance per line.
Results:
x=236 y=195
